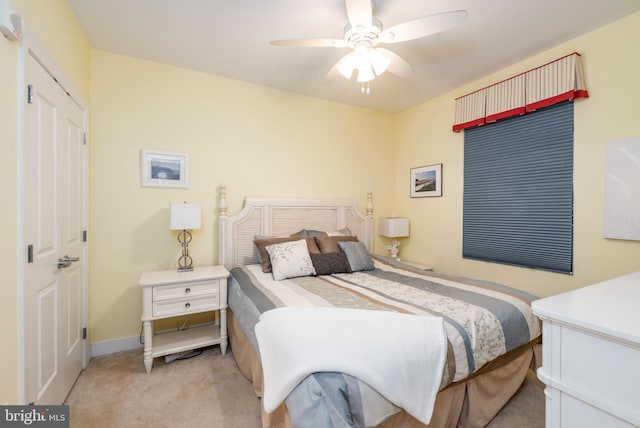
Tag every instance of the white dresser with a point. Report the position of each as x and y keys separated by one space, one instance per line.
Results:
x=591 y=355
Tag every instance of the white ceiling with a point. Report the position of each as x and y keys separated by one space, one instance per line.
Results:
x=231 y=38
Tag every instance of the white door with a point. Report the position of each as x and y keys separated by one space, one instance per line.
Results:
x=53 y=228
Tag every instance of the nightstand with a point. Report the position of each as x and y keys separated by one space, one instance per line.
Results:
x=170 y=293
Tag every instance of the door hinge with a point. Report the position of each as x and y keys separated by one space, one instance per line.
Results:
x=29 y=253
x=84 y=138
x=30 y=94
x=84 y=333
x=84 y=236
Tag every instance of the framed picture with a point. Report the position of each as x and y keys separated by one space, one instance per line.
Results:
x=164 y=169
x=426 y=181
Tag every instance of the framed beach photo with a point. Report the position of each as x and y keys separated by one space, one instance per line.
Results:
x=164 y=169
x=426 y=181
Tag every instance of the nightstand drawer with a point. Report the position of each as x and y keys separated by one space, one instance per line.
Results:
x=178 y=291
x=186 y=306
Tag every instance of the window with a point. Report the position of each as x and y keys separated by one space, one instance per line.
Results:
x=518 y=190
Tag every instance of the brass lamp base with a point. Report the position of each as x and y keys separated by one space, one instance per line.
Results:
x=185 y=262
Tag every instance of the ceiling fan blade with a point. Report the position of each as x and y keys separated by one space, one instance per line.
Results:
x=331 y=75
x=359 y=12
x=313 y=43
x=422 y=27
x=398 y=66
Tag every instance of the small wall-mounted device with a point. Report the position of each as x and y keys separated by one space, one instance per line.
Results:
x=10 y=24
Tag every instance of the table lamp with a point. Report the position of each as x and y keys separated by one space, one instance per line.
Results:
x=394 y=227
x=185 y=217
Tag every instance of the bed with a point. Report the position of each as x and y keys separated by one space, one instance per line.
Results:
x=317 y=344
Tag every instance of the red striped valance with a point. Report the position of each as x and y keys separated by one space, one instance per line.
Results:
x=559 y=80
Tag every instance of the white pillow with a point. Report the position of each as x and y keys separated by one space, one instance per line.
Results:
x=290 y=259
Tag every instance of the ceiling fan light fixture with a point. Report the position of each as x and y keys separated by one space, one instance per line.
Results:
x=364 y=34
x=361 y=54
x=365 y=73
x=346 y=65
x=379 y=61
x=362 y=60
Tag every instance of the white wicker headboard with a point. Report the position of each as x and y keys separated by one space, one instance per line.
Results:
x=278 y=217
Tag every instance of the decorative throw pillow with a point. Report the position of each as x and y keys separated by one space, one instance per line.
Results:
x=341 y=232
x=290 y=259
x=312 y=246
x=358 y=256
x=329 y=244
x=330 y=263
x=256 y=249
x=262 y=243
x=309 y=233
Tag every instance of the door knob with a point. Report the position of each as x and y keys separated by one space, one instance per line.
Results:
x=66 y=261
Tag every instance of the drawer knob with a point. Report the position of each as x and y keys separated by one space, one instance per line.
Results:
x=187 y=305
x=187 y=290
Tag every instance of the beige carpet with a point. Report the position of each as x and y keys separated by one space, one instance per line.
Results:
x=208 y=391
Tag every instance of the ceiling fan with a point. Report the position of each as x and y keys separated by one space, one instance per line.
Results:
x=364 y=34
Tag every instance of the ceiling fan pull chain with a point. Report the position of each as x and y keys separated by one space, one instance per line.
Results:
x=366 y=90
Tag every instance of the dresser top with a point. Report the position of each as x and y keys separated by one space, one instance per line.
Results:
x=611 y=308
x=163 y=277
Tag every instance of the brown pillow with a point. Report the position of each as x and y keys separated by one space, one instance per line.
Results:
x=262 y=243
x=329 y=244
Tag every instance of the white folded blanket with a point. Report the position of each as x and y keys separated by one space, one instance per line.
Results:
x=399 y=355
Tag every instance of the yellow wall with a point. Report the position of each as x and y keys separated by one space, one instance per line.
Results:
x=256 y=140
x=54 y=24
x=424 y=137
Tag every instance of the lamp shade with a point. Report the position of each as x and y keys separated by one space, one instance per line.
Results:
x=185 y=216
x=365 y=73
x=394 y=227
x=379 y=61
x=346 y=65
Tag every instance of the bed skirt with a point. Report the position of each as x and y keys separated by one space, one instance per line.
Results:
x=471 y=403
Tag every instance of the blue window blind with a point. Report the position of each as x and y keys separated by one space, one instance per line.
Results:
x=518 y=190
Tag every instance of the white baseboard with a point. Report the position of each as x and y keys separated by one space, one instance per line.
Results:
x=117 y=345
x=126 y=344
